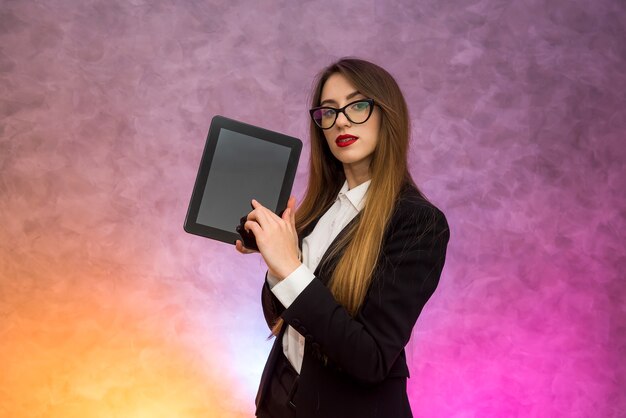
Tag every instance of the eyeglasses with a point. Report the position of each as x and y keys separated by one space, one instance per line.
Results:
x=356 y=112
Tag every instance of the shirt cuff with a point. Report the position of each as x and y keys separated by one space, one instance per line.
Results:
x=288 y=290
x=272 y=280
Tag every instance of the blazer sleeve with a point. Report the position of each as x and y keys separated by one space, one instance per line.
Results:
x=405 y=277
x=272 y=308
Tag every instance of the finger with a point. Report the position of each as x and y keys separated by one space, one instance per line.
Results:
x=254 y=215
x=289 y=211
x=251 y=216
x=291 y=203
x=241 y=248
x=287 y=215
x=260 y=218
x=263 y=215
x=292 y=212
x=259 y=208
x=289 y=219
x=256 y=204
x=256 y=209
x=255 y=228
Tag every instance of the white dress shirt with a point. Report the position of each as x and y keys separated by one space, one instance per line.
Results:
x=347 y=205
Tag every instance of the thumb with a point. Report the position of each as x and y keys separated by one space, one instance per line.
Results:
x=291 y=204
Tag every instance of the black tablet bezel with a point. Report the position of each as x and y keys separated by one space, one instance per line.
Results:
x=217 y=124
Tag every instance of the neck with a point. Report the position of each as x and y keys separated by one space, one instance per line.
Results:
x=356 y=174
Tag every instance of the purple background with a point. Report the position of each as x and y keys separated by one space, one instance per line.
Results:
x=519 y=118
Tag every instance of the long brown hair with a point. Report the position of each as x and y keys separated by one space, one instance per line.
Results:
x=388 y=168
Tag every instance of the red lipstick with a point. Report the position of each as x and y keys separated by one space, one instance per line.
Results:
x=345 y=140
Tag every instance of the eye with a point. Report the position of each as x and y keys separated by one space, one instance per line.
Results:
x=327 y=113
x=360 y=106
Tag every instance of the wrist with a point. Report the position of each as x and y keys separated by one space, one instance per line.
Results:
x=284 y=271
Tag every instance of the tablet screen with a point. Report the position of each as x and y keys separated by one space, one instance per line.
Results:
x=240 y=162
x=256 y=167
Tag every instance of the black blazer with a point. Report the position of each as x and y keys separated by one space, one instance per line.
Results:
x=356 y=367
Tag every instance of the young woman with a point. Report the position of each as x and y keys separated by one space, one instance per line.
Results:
x=349 y=271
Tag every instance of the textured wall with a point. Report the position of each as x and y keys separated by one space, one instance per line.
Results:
x=108 y=309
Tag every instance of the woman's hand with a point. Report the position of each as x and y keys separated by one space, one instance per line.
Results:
x=275 y=236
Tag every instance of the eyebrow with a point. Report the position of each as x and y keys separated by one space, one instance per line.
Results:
x=348 y=97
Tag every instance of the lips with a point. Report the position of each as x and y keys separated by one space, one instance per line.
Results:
x=345 y=140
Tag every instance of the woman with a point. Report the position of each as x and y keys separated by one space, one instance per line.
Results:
x=349 y=271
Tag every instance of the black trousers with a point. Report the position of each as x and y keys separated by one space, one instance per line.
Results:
x=279 y=398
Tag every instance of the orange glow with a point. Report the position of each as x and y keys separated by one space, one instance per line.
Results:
x=100 y=349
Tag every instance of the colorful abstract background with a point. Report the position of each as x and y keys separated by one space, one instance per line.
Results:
x=109 y=309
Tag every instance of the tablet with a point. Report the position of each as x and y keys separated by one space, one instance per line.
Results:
x=240 y=162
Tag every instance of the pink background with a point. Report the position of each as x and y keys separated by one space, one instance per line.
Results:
x=108 y=309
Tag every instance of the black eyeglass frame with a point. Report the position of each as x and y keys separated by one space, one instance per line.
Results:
x=343 y=110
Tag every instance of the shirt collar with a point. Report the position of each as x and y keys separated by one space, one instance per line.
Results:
x=355 y=196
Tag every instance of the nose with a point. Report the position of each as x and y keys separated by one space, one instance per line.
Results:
x=342 y=120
